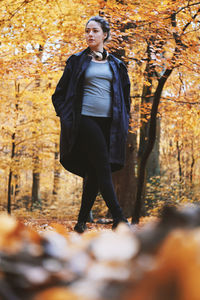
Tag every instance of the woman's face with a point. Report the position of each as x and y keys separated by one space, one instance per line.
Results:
x=95 y=36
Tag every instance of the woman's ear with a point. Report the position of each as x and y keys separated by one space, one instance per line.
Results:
x=105 y=35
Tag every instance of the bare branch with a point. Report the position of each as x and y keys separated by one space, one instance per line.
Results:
x=12 y=14
x=141 y=23
x=193 y=18
x=187 y=6
x=178 y=101
x=35 y=137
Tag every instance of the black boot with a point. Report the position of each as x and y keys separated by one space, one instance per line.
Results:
x=116 y=222
x=80 y=227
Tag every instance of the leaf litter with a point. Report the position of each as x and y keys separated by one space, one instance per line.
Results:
x=155 y=260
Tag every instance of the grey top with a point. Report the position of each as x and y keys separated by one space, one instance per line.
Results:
x=97 y=99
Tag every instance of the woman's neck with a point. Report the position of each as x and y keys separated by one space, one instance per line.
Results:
x=99 y=49
x=99 y=61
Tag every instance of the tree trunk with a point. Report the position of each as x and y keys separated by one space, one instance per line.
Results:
x=149 y=146
x=9 y=204
x=36 y=200
x=153 y=164
x=192 y=164
x=179 y=161
x=36 y=184
x=56 y=170
x=9 y=192
x=10 y=175
x=124 y=180
x=144 y=117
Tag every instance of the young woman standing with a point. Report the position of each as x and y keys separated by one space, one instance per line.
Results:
x=92 y=99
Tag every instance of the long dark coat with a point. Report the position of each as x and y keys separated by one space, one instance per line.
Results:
x=67 y=100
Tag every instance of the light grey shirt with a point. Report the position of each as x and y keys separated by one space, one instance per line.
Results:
x=97 y=100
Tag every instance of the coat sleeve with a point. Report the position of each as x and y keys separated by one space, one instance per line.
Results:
x=126 y=86
x=58 y=97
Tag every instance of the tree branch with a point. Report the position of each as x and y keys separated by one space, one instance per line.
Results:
x=181 y=102
x=12 y=14
x=141 y=23
x=193 y=18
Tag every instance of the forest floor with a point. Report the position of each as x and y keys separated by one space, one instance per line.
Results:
x=48 y=224
x=42 y=258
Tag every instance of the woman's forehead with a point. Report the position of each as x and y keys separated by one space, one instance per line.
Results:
x=93 y=24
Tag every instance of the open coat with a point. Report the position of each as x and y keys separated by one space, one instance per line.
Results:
x=67 y=101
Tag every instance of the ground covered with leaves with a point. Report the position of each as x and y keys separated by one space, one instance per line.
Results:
x=155 y=260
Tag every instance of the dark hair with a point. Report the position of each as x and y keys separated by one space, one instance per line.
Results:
x=104 y=25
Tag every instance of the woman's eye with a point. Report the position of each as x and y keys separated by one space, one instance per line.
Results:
x=94 y=30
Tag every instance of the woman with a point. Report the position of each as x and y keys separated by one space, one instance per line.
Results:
x=93 y=103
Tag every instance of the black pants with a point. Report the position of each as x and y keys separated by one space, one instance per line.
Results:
x=93 y=143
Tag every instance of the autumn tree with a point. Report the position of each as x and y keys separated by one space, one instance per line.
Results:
x=34 y=51
x=162 y=36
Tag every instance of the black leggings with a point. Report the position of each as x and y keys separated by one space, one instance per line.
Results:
x=93 y=140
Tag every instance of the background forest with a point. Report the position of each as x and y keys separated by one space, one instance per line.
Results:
x=160 y=43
